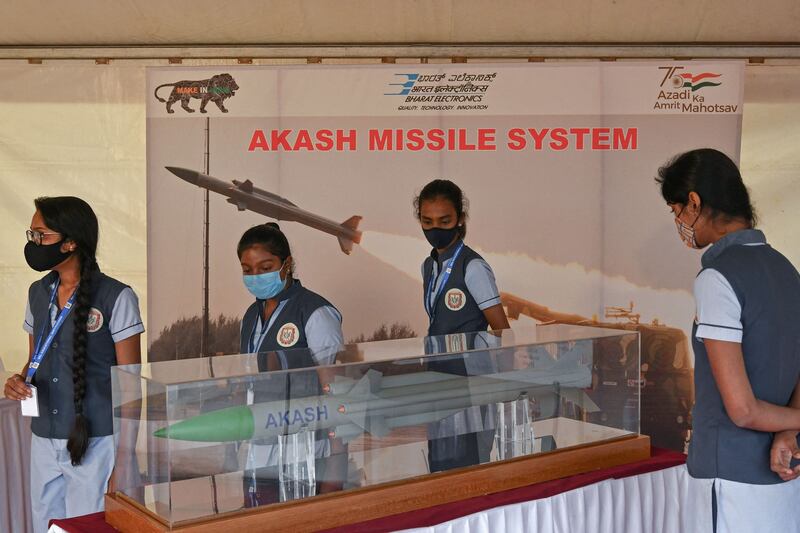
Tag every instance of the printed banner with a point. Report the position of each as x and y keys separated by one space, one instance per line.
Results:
x=557 y=160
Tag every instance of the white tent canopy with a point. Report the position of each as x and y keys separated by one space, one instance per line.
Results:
x=245 y=22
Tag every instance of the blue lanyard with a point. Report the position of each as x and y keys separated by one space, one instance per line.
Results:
x=41 y=349
x=265 y=324
x=430 y=296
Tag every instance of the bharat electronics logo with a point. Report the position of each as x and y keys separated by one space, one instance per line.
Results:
x=678 y=91
x=462 y=91
x=215 y=89
x=404 y=87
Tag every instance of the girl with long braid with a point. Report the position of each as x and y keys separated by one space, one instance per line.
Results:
x=80 y=322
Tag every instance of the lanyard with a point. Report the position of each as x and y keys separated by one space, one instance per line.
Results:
x=430 y=296
x=265 y=325
x=41 y=349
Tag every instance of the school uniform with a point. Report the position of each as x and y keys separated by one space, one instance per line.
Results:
x=59 y=490
x=302 y=319
x=458 y=285
x=304 y=330
x=747 y=293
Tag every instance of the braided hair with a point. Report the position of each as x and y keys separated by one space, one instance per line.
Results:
x=74 y=219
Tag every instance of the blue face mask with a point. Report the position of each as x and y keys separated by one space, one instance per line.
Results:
x=265 y=286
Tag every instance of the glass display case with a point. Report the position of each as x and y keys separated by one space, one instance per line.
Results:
x=206 y=437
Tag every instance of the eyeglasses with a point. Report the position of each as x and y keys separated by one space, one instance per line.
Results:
x=36 y=237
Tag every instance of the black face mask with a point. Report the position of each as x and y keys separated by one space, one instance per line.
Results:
x=43 y=257
x=441 y=237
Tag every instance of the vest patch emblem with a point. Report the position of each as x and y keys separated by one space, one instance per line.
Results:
x=288 y=335
x=455 y=299
x=94 y=321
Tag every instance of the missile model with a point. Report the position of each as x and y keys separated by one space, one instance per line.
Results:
x=245 y=196
x=377 y=405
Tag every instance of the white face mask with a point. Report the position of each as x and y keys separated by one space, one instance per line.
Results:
x=686 y=232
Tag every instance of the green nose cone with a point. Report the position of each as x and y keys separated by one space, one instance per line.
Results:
x=223 y=425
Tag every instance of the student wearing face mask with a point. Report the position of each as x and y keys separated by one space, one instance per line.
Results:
x=284 y=317
x=460 y=291
x=80 y=323
x=285 y=314
x=460 y=297
x=747 y=349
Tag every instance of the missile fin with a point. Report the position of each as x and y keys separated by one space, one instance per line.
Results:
x=580 y=398
x=246 y=186
x=241 y=206
x=377 y=427
x=367 y=386
x=374 y=425
x=347 y=439
x=352 y=223
x=345 y=244
x=339 y=385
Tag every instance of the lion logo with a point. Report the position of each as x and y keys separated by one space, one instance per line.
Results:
x=455 y=300
x=94 y=321
x=216 y=89
x=288 y=335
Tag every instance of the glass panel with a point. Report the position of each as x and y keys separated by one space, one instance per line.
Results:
x=226 y=433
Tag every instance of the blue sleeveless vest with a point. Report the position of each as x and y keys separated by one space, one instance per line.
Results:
x=53 y=379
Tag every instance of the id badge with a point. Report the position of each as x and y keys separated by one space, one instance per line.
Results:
x=30 y=406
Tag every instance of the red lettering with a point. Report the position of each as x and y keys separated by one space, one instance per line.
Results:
x=451 y=140
x=380 y=140
x=626 y=139
x=436 y=140
x=559 y=141
x=415 y=140
x=258 y=141
x=580 y=134
x=303 y=141
x=516 y=139
x=324 y=140
x=279 y=140
x=486 y=139
x=462 y=141
x=600 y=138
x=538 y=137
x=342 y=139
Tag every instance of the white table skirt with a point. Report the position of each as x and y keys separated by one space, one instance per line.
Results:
x=15 y=460
x=666 y=501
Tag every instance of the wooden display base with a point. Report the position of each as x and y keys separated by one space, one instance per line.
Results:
x=368 y=503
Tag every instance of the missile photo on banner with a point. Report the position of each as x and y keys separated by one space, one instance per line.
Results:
x=245 y=196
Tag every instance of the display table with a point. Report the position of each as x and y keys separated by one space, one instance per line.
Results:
x=647 y=495
x=15 y=459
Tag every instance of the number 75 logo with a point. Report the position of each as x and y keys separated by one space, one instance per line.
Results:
x=669 y=74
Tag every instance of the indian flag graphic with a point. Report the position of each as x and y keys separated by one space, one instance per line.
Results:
x=695 y=81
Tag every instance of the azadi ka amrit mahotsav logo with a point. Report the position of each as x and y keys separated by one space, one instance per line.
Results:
x=687 y=80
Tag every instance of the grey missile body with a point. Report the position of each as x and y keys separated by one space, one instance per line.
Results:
x=246 y=197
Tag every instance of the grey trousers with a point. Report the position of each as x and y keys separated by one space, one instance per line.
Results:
x=60 y=490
